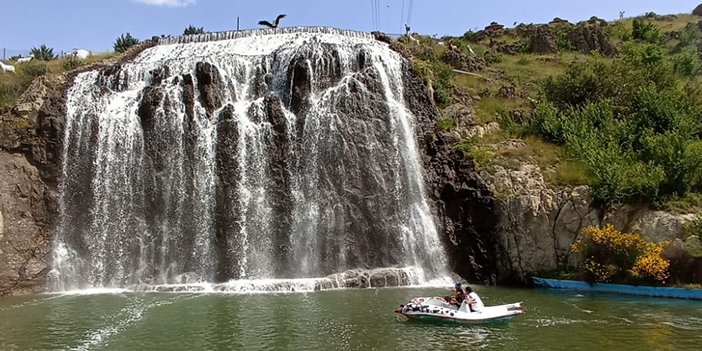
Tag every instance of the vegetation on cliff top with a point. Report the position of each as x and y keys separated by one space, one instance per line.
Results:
x=616 y=105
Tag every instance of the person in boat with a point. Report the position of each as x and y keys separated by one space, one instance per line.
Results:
x=474 y=302
x=458 y=295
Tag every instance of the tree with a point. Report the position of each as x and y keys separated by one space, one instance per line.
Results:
x=43 y=53
x=124 y=42
x=193 y=30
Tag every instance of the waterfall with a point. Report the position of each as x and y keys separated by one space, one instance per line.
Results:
x=243 y=156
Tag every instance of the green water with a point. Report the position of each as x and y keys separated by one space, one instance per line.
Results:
x=342 y=320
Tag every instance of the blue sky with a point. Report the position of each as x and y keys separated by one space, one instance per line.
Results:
x=94 y=24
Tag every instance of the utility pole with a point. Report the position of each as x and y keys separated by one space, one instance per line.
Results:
x=237 y=23
x=3 y=54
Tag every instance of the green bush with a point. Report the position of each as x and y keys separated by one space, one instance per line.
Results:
x=443 y=87
x=34 y=69
x=563 y=42
x=71 y=62
x=447 y=123
x=631 y=123
x=642 y=54
x=124 y=42
x=581 y=83
x=688 y=37
x=646 y=32
x=43 y=53
x=619 y=30
x=687 y=64
x=191 y=30
x=491 y=57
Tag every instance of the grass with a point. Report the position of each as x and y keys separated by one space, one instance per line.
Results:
x=570 y=173
x=558 y=169
x=447 y=123
x=472 y=84
x=12 y=85
x=690 y=203
x=531 y=68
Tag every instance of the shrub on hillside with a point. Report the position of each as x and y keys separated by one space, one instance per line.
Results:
x=619 y=30
x=687 y=64
x=631 y=122
x=611 y=255
x=124 y=42
x=646 y=31
x=42 y=53
x=443 y=87
x=71 y=62
x=191 y=30
x=580 y=84
x=34 y=69
x=688 y=37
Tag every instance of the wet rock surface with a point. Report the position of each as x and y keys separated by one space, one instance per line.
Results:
x=464 y=205
x=31 y=137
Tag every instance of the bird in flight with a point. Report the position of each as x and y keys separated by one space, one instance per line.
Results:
x=272 y=25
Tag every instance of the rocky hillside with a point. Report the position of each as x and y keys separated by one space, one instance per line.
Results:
x=492 y=86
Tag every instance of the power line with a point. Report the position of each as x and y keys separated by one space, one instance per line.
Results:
x=409 y=12
x=402 y=15
x=377 y=14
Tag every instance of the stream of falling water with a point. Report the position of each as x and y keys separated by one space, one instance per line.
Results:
x=160 y=191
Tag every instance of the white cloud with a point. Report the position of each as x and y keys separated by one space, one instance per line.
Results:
x=172 y=3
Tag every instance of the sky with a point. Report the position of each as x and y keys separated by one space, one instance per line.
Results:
x=95 y=24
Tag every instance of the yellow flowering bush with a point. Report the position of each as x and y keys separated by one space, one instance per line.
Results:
x=651 y=266
x=612 y=255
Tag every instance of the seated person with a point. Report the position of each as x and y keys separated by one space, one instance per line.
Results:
x=458 y=296
x=473 y=300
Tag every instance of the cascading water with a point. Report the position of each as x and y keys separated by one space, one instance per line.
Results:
x=244 y=158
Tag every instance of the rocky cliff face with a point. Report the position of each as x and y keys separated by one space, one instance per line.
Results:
x=464 y=204
x=536 y=223
x=30 y=165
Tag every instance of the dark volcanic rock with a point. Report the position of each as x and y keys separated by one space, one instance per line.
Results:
x=300 y=87
x=698 y=10
x=463 y=62
x=209 y=84
x=281 y=200
x=189 y=96
x=543 y=40
x=227 y=204
x=464 y=204
x=587 y=38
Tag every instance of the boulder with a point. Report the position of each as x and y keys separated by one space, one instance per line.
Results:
x=543 y=40
x=587 y=38
x=459 y=112
x=463 y=62
x=698 y=10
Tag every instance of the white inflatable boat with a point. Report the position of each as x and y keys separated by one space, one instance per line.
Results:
x=437 y=309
